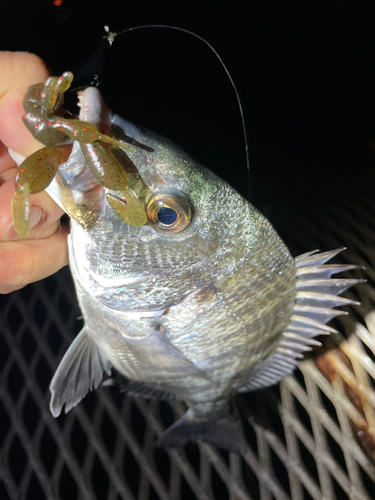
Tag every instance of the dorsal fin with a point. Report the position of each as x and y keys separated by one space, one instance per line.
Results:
x=315 y=297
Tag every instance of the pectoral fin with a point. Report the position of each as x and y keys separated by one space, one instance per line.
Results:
x=80 y=371
x=141 y=389
x=154 y=356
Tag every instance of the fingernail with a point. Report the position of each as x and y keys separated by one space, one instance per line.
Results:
x=9 y=233
x=17 y=157
x=36 y=215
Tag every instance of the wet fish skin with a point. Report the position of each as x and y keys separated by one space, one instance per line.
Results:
x=224 y=334
x=198 y=313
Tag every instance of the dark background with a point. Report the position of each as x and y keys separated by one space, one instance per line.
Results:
x=304 y=71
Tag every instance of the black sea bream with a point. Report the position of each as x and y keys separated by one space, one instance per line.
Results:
x=185 y=288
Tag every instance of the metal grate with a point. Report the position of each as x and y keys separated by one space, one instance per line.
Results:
x=311 y=437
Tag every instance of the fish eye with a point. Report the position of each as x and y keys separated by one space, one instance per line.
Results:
x=169 y=213
x=167 y=216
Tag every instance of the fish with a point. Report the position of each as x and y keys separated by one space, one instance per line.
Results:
x=196 y=299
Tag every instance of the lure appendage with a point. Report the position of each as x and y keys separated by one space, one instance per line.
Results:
x=42 y=103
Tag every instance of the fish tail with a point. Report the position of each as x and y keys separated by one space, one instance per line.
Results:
x=225 y=432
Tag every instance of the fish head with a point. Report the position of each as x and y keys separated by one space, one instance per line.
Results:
x=198 y=229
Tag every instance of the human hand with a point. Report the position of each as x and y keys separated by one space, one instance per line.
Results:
x=23 y=261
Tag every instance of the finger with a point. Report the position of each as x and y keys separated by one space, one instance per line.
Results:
x=44 y=214
x=19 y=70
x=32 y=260
x=7 y=165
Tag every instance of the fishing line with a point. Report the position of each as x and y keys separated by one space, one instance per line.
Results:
x=110 y=38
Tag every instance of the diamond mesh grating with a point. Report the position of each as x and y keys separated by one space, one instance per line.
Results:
x=311 y=437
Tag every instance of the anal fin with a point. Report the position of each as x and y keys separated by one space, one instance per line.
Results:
x=80 y=371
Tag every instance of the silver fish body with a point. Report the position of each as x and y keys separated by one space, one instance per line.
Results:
x=201 y=313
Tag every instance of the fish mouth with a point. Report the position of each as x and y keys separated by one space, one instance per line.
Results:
x=121 y=281
x=81 y=193
x=106 y=278
x=107 y=285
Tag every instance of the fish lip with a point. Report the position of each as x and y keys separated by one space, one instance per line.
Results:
x=108 y=283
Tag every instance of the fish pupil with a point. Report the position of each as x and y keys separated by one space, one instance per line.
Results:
x=167 y=216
